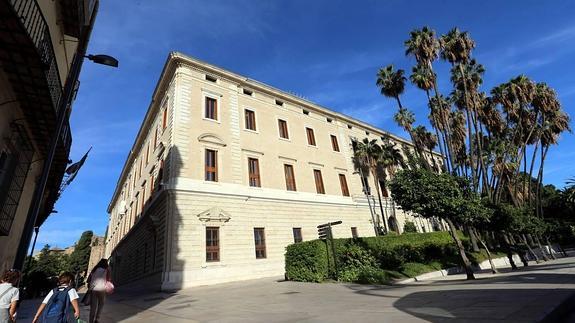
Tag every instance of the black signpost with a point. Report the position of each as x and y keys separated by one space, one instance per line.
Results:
x=324 y=232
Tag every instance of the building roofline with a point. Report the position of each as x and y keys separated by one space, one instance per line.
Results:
x=175 y=58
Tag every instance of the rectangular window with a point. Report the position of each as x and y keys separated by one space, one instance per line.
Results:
x=140 y=169
x=212 y=244
x=211 y=165
x=211 y=108
x=165 y=118
x=297 y=235
x=310 y=136
x=334 y=144
x=211 y=78
x=290 y=177
x=282 y=125
x=354 y=232
x=254 y=172
x=343 y=184
x=318 y=181
x=156 y=138
x=250 y=120
x=248 y=92
x=147 y=154
x=260 y=242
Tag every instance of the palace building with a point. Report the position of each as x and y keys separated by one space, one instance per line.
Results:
x=225 y=172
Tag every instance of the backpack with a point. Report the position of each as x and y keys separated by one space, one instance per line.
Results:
x=57 y=308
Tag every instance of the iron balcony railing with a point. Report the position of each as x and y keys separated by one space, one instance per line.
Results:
x=36 y=26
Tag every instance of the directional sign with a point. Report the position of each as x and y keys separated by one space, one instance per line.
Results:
x=324 y=230
x=328 y=224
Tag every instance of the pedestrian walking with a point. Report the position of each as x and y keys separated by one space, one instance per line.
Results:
x=100 y=284
x=9 y=295
x=55 y=307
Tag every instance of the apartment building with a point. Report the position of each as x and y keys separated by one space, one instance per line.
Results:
x=225 y=172
x=39 y=40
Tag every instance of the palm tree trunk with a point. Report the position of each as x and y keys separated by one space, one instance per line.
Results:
x=464 y=259
x=444 y=120
x=531 y=252
x=472 y=237
x=550 y=247
x=531 y=171
x=543 y=252
x=544 y=150
x=508 y=251
x=480 y=239
x=376 y=182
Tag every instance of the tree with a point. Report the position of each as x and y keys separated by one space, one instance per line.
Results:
x=367 y=152
x=433 y=195
x=81 y=255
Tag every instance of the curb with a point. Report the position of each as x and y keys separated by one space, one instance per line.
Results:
x=455 y=270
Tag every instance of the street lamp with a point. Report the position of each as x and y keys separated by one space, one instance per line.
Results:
x=62 y=113
x=103 y=59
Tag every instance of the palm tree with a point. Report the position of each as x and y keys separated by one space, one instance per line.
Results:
x=369 y=151
x=424 y=46
x=456 y=48
x=570 y=190
x=425 y=140
x=389 y=158
x=391 y=82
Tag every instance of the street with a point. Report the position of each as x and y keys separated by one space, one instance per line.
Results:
x=526 y=295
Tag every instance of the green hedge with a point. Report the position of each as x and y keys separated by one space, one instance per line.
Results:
x=307 y=261
x=371 y=259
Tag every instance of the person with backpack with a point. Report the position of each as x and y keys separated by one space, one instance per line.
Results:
x=100 y=284
x=9 y=295
x=55 y=308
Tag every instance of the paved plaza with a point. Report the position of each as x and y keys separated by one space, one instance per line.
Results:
x=526 y=295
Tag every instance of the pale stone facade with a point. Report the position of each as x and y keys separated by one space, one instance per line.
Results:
x=97 y=251
x=163 y=203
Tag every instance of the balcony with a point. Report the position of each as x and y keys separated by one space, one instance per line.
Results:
x=28 y=59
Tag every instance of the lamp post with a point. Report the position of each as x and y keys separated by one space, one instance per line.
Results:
x=62 y=114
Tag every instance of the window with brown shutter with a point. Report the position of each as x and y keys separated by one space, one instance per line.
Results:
x=156 y=138
x=211 y=108
x=260 y=242
x=165 y=117
x=211 y=165
x=334 y=144
x=354 y=232
x=282 y=125
x=343 y=184
x=250 y=120
x=310 y=136
x=297 y=235
x=212 y=244
x=254 y=172
x=318 y=181
x=290 y=177
x=147 y=154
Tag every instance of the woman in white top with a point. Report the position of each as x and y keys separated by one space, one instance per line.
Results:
x=97 y=289
x=9 y=295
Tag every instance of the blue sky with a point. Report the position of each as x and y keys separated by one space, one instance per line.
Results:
x=326 y=51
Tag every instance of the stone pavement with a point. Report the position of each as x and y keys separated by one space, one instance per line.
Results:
x=526 y=295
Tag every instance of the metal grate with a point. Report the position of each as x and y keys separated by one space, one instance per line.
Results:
x=13 y=173
x=35 y=24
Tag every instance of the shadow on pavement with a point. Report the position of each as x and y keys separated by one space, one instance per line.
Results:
x=517 y=305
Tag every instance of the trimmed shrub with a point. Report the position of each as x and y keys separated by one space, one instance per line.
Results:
x=372 y=259
x=307 y=261
x=409 y=227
